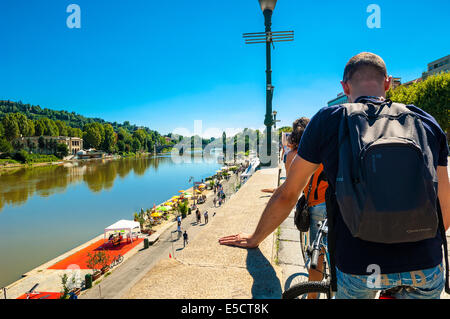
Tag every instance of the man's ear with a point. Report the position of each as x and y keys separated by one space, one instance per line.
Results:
x=346 y=88
x=387 y=83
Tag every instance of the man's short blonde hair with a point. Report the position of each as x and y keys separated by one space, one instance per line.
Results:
x=365 y=61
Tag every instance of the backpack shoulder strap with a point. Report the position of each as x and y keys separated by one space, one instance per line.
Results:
x=444 y=242
x=332 y=211
x=309 y=189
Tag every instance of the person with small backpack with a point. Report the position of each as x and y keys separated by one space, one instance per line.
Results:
x=312 y=202
x=313 y=199
x=185 y=238
x=388 y=199
x=198 y=215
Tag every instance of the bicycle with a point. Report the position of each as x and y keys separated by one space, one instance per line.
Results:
x=116 y=260
x=311 y=254
x=323 y=288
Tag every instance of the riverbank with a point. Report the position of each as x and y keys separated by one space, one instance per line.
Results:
x=50 y=279
x=13 y=164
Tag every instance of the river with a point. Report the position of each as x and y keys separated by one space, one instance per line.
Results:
x=46 y=211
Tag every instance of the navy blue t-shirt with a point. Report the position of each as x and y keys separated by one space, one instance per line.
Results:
x=319 y=144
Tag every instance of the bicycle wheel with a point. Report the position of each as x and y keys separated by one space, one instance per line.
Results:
x=304 y=242
x=301 y=290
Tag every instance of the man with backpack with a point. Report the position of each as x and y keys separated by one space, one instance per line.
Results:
x=388 y=200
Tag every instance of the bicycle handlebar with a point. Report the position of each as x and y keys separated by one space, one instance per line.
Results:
x=314 y=258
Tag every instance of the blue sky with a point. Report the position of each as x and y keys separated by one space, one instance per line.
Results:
x=164 y=64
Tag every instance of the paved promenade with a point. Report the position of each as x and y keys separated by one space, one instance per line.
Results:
x=205 y=269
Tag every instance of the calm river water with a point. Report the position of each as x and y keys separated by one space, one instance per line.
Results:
x=46 y=211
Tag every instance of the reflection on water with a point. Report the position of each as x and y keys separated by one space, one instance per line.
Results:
x=46 y=211
x=17 y=186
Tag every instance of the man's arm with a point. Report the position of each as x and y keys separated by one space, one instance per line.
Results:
x=444 y=194
x=279 y=206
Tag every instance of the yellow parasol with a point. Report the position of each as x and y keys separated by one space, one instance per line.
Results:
x=156 y=215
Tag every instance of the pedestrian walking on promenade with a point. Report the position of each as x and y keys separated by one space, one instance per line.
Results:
x=179 y=231
x=215 y=201
x=206 y=217
x=185 y=239
x=197 y=213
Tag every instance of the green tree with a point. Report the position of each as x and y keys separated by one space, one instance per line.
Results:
x=5 y=146
x=247 y=144
x=39 y=128
x=25 y=127
x=224 y=143
x=257 y=142
x=150 y=144
x=120 y=145
x=235 y=146
x=41 y=142
x=11 y=127
x=140 y=135
x=62 y=150
x=122 y=134
x=431 y=95
x=47 y=127
x=92 y=137
x=74 y=132
x=62 y=128
x=136 y=145
x=110 y=138
x=31 y=129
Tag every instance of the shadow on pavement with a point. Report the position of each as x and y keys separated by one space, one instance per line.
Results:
x=266 y=284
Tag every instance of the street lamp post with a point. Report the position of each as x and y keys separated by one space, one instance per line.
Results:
x=267 y=7
x=268 y=37
x=275 y=119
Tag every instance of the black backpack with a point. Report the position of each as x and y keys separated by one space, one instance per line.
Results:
x=386 y=185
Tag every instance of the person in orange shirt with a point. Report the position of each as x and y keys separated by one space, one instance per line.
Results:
x=316 y=198
x=317 y=212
